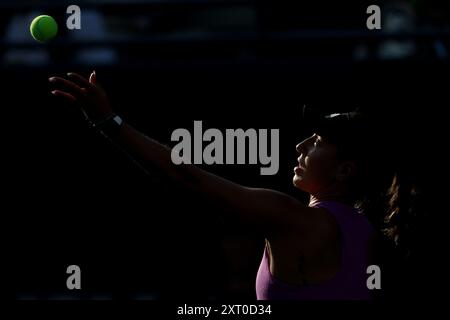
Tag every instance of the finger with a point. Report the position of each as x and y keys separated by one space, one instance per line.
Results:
x=93 y=78
x=81 y=81
x=67 y=85
x=65 y=95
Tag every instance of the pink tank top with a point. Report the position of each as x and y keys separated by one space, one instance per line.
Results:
x=350 y=281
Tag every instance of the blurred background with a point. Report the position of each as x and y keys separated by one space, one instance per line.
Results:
x=72 y=198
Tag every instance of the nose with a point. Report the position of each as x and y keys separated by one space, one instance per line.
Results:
x=300 y=147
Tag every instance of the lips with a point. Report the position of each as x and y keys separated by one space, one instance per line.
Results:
x=299 y=170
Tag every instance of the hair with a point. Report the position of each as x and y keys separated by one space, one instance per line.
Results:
x=387 y=189
x=406 y=208
x=383 y=188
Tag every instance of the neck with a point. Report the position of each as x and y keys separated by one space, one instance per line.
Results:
x=341 y=197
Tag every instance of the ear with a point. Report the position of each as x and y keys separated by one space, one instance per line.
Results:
x=346 y=170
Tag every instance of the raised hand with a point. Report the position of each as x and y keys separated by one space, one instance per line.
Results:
x=87 y=94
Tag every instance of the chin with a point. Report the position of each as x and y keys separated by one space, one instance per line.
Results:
x=298 y=182
x=302 y=184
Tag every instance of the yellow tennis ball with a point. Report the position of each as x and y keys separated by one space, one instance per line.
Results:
x=43 y=28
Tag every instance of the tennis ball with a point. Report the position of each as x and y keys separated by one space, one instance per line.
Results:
x=43 y=28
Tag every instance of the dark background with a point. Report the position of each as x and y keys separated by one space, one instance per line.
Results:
x=70 y=197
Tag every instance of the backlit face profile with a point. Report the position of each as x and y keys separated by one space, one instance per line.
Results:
x=318 y=166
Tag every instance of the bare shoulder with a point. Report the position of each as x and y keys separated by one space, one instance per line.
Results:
x=290 y=216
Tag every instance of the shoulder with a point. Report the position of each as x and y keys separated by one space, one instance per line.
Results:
x=291 y=217
x=321 y=230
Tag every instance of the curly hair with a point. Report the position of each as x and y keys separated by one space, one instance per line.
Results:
x=405 y=213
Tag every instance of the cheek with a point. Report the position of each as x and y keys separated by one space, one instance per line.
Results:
x=320 y=170
x=320 y=166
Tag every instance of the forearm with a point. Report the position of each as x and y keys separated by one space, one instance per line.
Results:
x=149 y=153
x=257 y=207
x=156 y=157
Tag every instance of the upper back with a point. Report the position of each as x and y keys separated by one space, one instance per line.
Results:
x=349 y=282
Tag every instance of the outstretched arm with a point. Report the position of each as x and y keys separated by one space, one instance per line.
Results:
x=258 y=207
x=268 y=211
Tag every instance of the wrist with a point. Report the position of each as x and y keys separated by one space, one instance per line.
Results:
x=110 y=125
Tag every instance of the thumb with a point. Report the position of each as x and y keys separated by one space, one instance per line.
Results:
x=93 y=78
